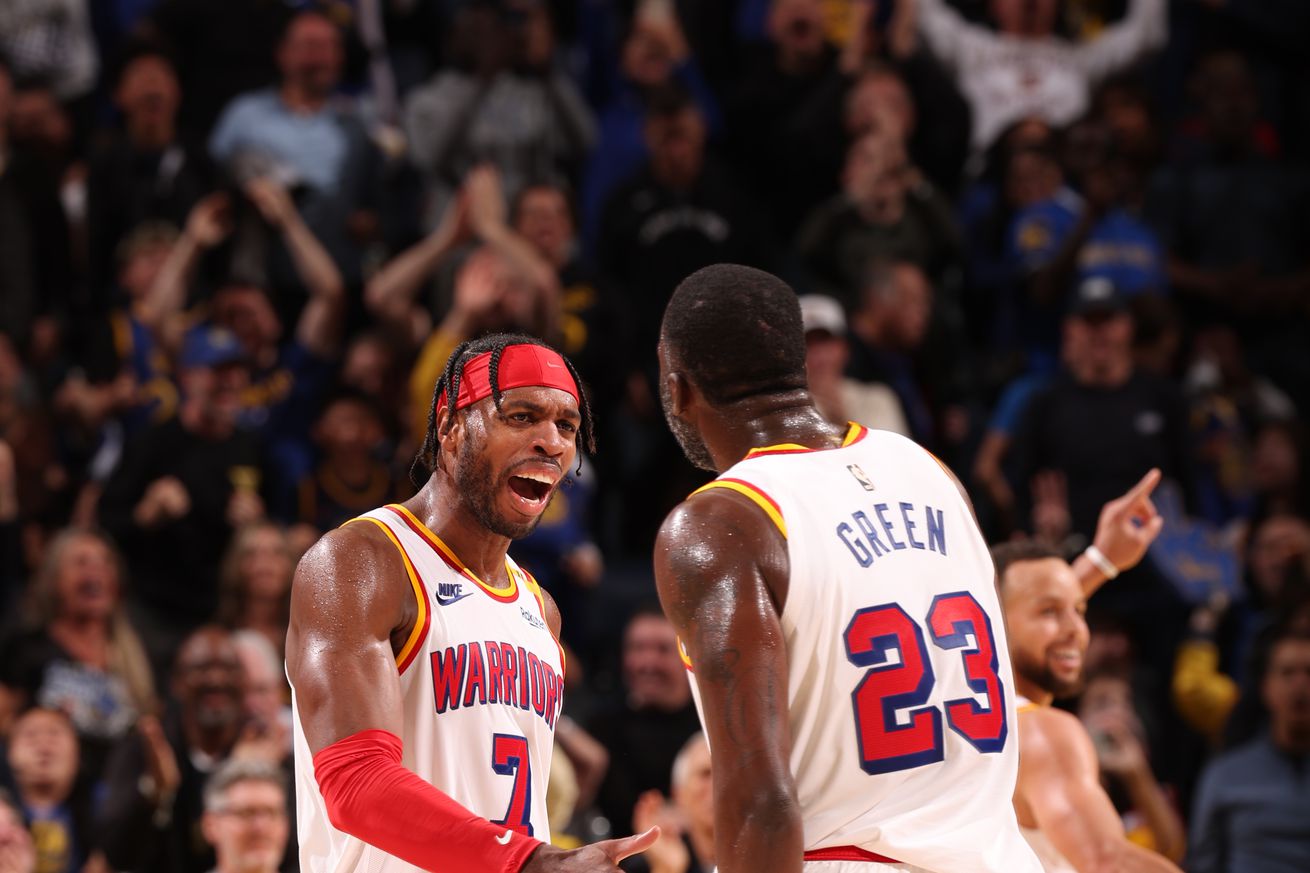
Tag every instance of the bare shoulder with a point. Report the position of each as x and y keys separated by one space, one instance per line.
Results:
x=713 y=537
x=553 y=619
x=1052 y=736
x=353 y=577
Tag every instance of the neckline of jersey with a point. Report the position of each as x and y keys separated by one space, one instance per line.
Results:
x=508 y=594
x=854 y=433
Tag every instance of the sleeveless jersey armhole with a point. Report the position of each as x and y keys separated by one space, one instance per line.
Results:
x=752 y=493
x=416 y=636
x=535 y=587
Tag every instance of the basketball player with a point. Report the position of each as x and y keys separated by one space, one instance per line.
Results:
x=838 y=609
x=1062 y=809
x=424 y=663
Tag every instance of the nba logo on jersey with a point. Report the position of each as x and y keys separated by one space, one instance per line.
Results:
x=860 y=476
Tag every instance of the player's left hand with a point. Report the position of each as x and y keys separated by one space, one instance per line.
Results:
x=602 y=857
x=1129 y=524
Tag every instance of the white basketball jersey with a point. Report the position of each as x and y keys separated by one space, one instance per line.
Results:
x=482 y=681
x=900 y=692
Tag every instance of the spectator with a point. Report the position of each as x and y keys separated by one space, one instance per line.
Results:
x=245 y=817
x=268 y=733
x=686 y=820
x=478 y=215
x=504 y=285
x=644 y=732
x=505 y=103
x=146 y=171
x=1062 y=240
x=26 y=428
x=43 y=758
x=35 y=278
x=77 y=652
x=654 y=59
x=1249 y=811
x=371 y=365
x=887 y=210
x=1280 y=468
x=352 y=476
x=590 y=332
x=51 y=40
x=1107 y=712
x=288 y=376
x=154 y=781
x=224 y=48
x=17 y=854
x=785 y=105
x=677 y=214
x=180 y=490
x=827 y=351
x=255 y=580
x=41 y=127
x=886 y=330
x=1100 y=423
x=298 y=137
x=127 y=372
x=1022 y=69
x=1233 y=220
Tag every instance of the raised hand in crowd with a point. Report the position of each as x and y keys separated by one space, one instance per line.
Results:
x=165 y=500
x=162 y=775
x=669 y=853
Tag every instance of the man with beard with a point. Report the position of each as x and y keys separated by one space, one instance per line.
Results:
x=425 y=667
x=155 y=781
x=835 y=601
x=1062 y=809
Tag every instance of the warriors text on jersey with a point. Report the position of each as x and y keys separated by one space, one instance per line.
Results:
x=899 y=690
x=481 y=679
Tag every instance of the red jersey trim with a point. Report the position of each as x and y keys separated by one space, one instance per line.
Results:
x=508 y=594
x=848 y=853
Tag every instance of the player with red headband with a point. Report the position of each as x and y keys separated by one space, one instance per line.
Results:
x=425 y=667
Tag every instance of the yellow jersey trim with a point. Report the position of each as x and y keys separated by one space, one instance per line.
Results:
x=507 y=594
x=758 y=497
x=405 y=655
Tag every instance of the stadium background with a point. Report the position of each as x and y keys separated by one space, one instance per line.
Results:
x=1058 y=243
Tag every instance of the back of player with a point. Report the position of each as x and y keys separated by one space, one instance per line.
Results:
x=900 y=698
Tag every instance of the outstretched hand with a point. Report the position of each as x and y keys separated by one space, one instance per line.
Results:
x=602 y=857
x=1129 y=524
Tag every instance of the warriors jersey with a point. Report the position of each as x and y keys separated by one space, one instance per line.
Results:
x=900 y=693
x=481 y=678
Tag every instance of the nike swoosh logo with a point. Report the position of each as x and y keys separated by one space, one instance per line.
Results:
x=503 y=839
x=447 y=601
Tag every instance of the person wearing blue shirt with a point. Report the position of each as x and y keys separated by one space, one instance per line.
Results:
x=1250 y=813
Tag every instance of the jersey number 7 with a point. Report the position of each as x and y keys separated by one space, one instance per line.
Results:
x=900 y=678
x=509 y=757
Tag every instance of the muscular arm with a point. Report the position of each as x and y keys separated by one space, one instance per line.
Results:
x=339 y=653
x=348 y=600
x=1059 y=788
x=721 y=570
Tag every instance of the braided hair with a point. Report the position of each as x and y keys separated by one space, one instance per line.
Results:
x=425 y=462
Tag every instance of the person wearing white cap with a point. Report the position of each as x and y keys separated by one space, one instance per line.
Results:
x=826 y=351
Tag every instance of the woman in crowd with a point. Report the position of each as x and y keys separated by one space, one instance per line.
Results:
x=76 y=651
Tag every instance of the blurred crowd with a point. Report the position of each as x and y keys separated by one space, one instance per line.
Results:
x=1057 y=242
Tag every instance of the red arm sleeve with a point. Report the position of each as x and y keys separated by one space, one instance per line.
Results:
x=370 y=795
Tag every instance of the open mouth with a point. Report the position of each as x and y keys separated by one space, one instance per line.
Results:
x=531 y=489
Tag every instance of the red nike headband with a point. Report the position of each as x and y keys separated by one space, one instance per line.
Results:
x=521 y=366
